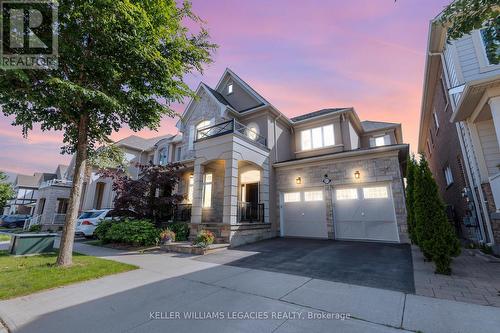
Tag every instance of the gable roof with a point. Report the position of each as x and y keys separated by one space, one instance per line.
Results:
x=218 y=96
x=369 y=126
x=245 y=85
x=139 y=143
x=318 y=113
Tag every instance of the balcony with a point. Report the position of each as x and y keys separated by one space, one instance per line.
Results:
x=251 y=212
x=56 y=182
x=231 y=126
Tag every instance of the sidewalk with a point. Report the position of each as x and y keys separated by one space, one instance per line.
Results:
x=171 y=282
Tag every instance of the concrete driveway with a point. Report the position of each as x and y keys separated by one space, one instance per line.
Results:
x=180 y=293
x=378 y=265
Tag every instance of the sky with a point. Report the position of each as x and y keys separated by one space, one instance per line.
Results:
x=301 y=56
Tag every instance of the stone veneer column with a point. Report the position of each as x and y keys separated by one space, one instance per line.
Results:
x=197 y=192
x=264 y=190
x=230 y=210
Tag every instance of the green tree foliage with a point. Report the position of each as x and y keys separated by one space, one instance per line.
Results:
x=108 y=157
x=463 y=16
x=6 y=191
x=435 y=235
x=120 y=62
x=410 y=197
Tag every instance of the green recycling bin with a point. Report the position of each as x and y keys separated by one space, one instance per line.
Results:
x=22 y=244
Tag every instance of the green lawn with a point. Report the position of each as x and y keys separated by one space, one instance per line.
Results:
x=25 y=275
x=4 y=237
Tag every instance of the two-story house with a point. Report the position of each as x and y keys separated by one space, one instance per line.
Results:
x=253 y=173
x=462 y=86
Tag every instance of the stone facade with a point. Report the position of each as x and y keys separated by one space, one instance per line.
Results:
x=50 y=194
x=383 y=169
x=236 y=234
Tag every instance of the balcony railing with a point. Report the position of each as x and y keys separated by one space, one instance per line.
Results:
x=231 y=126
x=57 y=182
x=251 y=212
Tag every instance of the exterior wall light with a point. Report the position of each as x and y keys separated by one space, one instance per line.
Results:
x=298 y=180
x=357 y=174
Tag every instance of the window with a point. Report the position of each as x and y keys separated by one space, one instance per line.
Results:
x=230 y=88
x=448 y=176
x=313 y=196
x=436 y=122
x=163 y=156
x=190 y=188
x=291 y=197
x=496 y=44
x=346 y=194
x=207 y=190
x=318 y=137
x=379 y=192
x=178 y=157
x=380 y=140
x=252 y=131
x=200 y=126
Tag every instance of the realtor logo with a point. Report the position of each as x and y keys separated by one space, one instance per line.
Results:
x=28 y=34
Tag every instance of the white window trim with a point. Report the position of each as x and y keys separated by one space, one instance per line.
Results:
x=346 y=194
x=448 y=175
x=230 y=88
x=291 y=197
x=207 y=202
x=310 y=131
x=375 y=192
x=436 y=121
x=480 y=48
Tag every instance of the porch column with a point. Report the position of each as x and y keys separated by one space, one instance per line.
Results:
x=264 y=192
x=495 y=113
x=230 y=210
x=197 y=192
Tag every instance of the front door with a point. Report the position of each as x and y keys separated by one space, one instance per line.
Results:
x=250 y=202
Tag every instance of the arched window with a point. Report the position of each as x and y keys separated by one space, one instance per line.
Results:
x=201 y=125
x=163 y=156
x=253 y=131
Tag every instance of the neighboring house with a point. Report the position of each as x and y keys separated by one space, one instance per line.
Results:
x=53 y=198
x=461 y=86
x=26 y=193
x=252 y=173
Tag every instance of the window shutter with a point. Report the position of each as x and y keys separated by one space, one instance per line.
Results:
x=191 y=137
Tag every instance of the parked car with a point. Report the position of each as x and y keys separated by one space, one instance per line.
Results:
x=90 y=219
x=14 y=221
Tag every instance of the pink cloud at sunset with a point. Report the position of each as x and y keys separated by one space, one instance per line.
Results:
x=302 y=56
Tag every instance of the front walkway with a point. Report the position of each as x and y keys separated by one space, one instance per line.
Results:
x=149 y=300
x=474 y=279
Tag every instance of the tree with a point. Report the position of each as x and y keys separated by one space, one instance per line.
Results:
x=151 y=196
x=6 y=190
x=435 y=235
x=462 y=16
x=410 y=197
x=118 y=59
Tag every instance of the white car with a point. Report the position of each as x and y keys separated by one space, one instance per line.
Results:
x=89 y=220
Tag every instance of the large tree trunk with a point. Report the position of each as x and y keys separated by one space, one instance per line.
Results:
x=65 y=257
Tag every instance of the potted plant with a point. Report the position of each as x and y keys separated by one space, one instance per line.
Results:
x=167 y=236
x=204 y=238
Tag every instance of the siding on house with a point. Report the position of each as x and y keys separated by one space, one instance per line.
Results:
x=489 y=143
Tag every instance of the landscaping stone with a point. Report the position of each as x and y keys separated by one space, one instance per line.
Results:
x=189 y=248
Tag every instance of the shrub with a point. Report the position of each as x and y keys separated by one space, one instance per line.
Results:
x=181 y=231
x=204 y=238
x=133 y=232
x=102 y=229
x=167 y=235
x=35 y=228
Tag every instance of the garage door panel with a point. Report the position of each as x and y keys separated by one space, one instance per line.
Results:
x=305 y=218
x=367 y=214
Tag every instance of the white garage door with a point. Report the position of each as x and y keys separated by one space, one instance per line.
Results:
x=365 y=213
x=304 y=214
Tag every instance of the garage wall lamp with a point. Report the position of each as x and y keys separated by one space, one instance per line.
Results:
x=357 y=174
x=298 y=180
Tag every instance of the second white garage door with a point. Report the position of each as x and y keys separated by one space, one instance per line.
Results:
x=365 y=213
x=304 y=214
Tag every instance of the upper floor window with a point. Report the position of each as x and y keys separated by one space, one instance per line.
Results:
x=448 y=175
x=178 y=154
x=253 y=131
x=163 y=156
x=230 y=88
x=317 y=137
x=380 y=140
x=201 y=125
x=493 y=50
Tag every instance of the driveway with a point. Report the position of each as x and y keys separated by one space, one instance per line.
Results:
x=387 y=266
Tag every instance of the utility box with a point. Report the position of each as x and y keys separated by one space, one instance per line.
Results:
x=22 y=244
